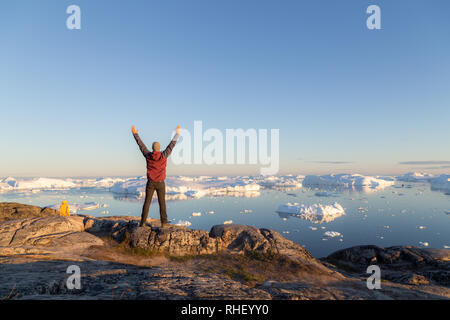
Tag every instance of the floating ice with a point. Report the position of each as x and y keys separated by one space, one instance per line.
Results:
x=36 y=184
x=288 y=182
x=9 y=184
x=324 y=194
x=441 y=183
x=183 y=223
x=74 y=207
x=415 y=177
x=357 y=181
x=192 y=187
x=332 y=234
x=316 y=213
x=196 y=214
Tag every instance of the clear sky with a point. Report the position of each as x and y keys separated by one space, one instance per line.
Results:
x=345 y=98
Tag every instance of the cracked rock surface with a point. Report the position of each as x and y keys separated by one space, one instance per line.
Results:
x=37 y=246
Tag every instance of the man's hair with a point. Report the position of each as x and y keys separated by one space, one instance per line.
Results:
x=156 y=146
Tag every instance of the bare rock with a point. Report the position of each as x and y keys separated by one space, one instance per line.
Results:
x=237 y=239
x=173 y=240
x=48 y=231
x=12 y=210
x=402 y=264
x=240 y=238
x=409 y=278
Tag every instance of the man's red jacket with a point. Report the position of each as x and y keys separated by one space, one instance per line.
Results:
x=156 y=160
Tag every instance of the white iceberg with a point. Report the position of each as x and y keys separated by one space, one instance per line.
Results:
x=441 y=183
x=74 y=207
x=132 y=186
x=415 y=177
x=317 y=213
x=192 y=187
x=287 y=182
x=332 y=234
x=37 y=184
x=183 y=223
x=356 y=181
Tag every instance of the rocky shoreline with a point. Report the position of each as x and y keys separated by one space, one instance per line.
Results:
x=120 y=260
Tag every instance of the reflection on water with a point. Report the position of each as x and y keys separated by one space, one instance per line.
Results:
x=181 y=196
x=408 y=215
x=314 y=218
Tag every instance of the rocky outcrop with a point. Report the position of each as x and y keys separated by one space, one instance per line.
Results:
x=50 y=231
x=402 y=264
x=12 y=210
x=222 y=238
x=47 y=244
x=177 y=240
x=180 y=241
x=85 y=231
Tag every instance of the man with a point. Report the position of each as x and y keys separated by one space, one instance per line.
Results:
x=156 y=173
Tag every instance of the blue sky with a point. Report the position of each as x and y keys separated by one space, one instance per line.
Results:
x=345 y=98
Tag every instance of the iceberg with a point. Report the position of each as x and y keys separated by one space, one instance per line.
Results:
x=316 y=213
x=192 y=187
x=415 y=177
x=36 y=184
x=332 y=234
x=74 y=207
x=132 y=186
x=441 y=183
x=183 y=223
x=350 y=181
x=287 y=182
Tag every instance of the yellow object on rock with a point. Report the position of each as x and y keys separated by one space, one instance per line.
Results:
x=64 y=209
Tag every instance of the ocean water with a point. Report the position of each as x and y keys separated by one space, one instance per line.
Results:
x=402 y=214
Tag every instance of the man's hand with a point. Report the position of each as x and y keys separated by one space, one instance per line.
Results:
x=133 y=129
x=178 y=130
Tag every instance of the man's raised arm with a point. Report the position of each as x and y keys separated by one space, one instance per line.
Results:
x=166 y=153
x=141 y=145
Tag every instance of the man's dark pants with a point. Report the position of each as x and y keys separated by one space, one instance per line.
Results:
x=160 y=188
